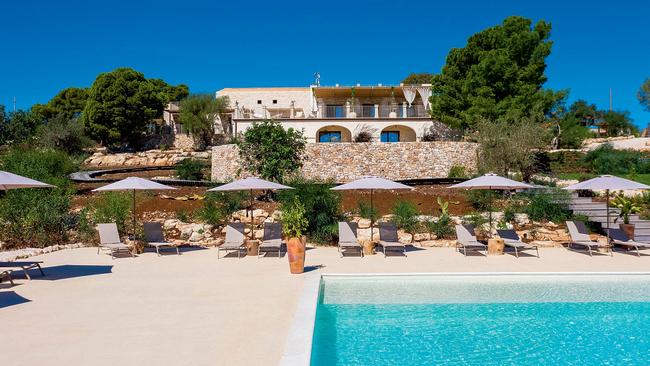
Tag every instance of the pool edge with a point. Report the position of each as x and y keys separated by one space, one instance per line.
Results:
x=297 y=350
x=298 y=347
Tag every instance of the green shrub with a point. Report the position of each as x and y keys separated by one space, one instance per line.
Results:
x=37 y=216
x=183 y=216
x=607 y=160
x=62 y=134
x=441 y=227
x=405 y=216
x=190 y=169
x=480 y=199
x=113 y=207
x=271 y=151
x=366 y=211
x=294 y=222
x=551 y=205
x=218 y=206
x=322 y=207
x=457 y=171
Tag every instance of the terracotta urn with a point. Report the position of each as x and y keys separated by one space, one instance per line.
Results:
x=296 y=255
x=628 y=229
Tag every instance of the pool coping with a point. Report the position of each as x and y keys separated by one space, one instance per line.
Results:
x=298 y=347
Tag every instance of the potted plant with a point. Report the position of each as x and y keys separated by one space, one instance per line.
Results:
x=294 y=223
x=626 y=206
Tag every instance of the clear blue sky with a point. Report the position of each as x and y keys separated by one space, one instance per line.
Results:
x=50 y=45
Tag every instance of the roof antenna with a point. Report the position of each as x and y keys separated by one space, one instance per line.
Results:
x=317 y=78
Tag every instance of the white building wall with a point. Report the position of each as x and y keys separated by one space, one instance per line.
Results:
x=310 y=127
x=248 y=98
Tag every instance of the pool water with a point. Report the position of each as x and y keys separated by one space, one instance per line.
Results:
x=483 y=320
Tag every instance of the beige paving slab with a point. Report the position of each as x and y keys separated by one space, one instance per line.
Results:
x=196 y=310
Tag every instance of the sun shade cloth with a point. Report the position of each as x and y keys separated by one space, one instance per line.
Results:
x=371 y=183
x=605 y=182
x=247 y=184
x=492 y=181
x=132 y=183
x=14 y=181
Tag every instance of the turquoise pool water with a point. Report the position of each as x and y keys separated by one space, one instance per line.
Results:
x=483 y=320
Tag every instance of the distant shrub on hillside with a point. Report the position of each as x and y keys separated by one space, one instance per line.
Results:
x=607 y=160
x=190 y=169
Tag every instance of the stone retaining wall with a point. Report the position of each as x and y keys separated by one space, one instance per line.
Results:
x=145 y=158
x=344 y=162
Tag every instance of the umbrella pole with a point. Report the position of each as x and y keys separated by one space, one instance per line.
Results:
x=134 y=215
x=607 y=209
x=250 y=208
x=372 y=216
x=490 y=212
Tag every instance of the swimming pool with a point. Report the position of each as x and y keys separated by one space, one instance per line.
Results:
x=483 y=320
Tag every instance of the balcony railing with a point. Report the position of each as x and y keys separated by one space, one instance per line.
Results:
x=341 y=111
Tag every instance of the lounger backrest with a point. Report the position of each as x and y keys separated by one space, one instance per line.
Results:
x=235 y=233
x=347 y=232
x=388 y=232
x=509 y=235
x=272 y=231
x=618 y=235
x=575 y=233
x=153 y=232
x=108 y=233
x=464 y=235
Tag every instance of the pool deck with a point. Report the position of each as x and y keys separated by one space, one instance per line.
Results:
x=196 y=310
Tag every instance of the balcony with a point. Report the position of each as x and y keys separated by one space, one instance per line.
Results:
x=373 y=111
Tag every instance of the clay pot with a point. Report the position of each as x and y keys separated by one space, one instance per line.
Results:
x=296 y=255
x=628 y=229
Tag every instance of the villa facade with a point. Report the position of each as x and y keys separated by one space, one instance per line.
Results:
x=337 y=113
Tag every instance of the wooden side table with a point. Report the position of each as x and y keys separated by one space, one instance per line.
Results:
x=252 y=247
x=495 y=246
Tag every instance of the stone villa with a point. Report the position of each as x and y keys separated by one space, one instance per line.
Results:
x=337 y=113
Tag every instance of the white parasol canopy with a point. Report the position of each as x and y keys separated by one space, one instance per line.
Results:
x=607 y=182
x=492 y=181
x=371 y=184
x=249 y=184
x=15 y=181
x=133 y=184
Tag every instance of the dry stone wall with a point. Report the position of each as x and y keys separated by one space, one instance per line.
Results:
x=145 y=158
x=344 y=162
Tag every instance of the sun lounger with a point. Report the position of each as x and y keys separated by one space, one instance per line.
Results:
x=154 y=237
x=25 y=266
x=6 y=275
x=348 y=238
x=109 y=239
x=234 y=239
x=512 y=240
x=619 y=237
x=272 y=239
x=580 y=236
x=466 y=240
x=388 y=238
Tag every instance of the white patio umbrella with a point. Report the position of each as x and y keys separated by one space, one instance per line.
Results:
x=249 y=184
x=492 y=181
x=14 y=181
x=133 y=184
x=371 y=184
x=607 y=183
